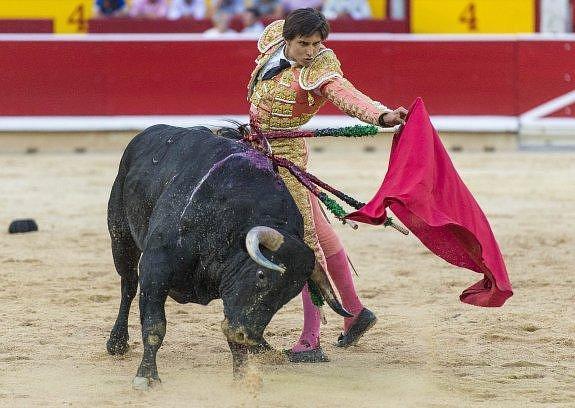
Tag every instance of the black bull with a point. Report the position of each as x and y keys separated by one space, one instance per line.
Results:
x=197 y=217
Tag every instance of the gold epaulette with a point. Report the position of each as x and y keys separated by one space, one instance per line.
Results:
x=272 y=35
x=325 y=66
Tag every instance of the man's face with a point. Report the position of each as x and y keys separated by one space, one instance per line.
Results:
x=303 y=49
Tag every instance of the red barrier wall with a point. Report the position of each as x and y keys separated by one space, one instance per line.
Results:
x=26 y=26
x=547 y=70
x=192 y=77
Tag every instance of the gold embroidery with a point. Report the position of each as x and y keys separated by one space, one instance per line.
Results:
x=281 y=115
x=284 y=100
x=255 y=99
x=275 y=103
x=271 y=36
x=260 y=62
x=286 y=77
x=310 y=99
x=324 y=67
x=288 y=95
x=282 y=128
x=295 y=150
x=282 y=109
x=305 y=117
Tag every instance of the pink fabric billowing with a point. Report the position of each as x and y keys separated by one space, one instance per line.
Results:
x=424 y=191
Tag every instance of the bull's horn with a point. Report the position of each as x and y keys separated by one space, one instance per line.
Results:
x=323 y=284
x=269 y=238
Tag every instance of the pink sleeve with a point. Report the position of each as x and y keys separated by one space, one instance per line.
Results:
x=348 y=99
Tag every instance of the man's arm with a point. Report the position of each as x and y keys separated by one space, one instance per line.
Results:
x=348 y=99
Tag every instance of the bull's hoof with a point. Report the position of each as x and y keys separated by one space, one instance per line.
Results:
x=117 y=346
x=144 y=383
x=239 y=372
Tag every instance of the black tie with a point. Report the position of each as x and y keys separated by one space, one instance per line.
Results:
x=272 y=72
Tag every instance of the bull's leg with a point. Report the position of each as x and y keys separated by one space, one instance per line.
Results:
x=126 y=255
x=239 y=358
x=155 y=277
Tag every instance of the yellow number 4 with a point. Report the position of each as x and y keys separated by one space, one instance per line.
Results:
x=469 y=17
x=78 y=18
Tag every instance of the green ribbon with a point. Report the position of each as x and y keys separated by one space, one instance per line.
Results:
x=314 y=294
x=348 y=131
x=332 y=206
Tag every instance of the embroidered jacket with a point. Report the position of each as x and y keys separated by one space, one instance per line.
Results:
x=294 y=96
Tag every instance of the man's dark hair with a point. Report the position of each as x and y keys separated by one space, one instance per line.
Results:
x=305 y=22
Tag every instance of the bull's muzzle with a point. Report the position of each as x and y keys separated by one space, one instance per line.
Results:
x=237 y=334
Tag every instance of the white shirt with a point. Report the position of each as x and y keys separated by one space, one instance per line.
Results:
x=274 y=61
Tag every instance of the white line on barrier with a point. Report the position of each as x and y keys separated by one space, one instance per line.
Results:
x=195 y=37
x=497 y=124
x=549 y=107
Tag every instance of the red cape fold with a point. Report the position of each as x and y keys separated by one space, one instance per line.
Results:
x=424 y=191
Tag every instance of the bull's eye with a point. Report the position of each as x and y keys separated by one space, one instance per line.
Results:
x=261 y=274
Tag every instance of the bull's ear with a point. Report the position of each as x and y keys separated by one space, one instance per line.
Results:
x=292 y=242
x=296 y=254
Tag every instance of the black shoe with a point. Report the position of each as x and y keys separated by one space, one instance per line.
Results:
x=309 y=356
x=364 y=322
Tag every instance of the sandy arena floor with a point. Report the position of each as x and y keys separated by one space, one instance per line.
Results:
x=60 y=292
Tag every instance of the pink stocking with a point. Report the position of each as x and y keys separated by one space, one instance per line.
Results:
x=340 y=273
x=309 y=338
x=337 y=264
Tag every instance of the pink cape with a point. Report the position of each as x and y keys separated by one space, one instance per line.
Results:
x=424 y=191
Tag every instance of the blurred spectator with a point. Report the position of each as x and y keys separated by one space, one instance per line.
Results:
x=555 y=16
x=221 y=22
x=397 y=9
x=268 y=8
x=187 y=9
x=252 y=23
x=149 y=9
x=290 y=5
x=356 y=9
x=231 y=7
x=109 y=8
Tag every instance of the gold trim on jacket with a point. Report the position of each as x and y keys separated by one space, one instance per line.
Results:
x=324 y=67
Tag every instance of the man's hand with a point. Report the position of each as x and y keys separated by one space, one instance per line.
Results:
x=393 y=118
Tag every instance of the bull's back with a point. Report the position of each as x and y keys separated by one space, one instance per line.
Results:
x=156 y=159
x=162 y=152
